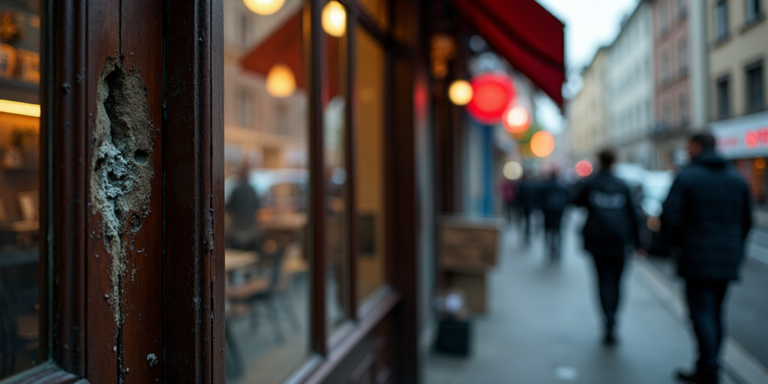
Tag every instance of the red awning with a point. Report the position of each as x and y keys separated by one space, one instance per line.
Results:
x=286 y=46
x=527 y=35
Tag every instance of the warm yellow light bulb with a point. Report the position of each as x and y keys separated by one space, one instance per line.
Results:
x=460 y=92
x=334 y=19
x=18 y=108
x=264 y=7
x=280 y=81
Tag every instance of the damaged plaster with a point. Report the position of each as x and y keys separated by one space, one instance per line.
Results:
x=121 y=167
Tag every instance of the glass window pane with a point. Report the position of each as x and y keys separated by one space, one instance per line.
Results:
x=334 y=121
x=379 y=10
x=369 y=134
x=266 y=189
x=19 y=185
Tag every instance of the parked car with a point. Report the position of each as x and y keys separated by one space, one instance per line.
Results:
x=656 y=186
x=649 y=189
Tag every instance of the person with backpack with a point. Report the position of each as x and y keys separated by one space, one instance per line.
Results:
x=554 y=198
x=706 y=219
x=611 y=228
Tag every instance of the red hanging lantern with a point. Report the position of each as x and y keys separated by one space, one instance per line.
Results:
x=493 y=93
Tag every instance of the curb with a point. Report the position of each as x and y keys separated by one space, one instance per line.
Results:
x=738 y=364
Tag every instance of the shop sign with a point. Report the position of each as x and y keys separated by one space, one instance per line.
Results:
x=743 y=137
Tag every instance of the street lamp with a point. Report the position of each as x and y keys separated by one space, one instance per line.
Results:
x=542 y=144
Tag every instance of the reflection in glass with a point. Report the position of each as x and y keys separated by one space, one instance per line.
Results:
x=369 y=134
x=334 y=107
x=266 y=192
x=19 y=185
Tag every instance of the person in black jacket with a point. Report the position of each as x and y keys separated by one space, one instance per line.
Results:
x=611 y=227
x=554 y=197
x=243 y=231
x=706 y=217
x=526 y=195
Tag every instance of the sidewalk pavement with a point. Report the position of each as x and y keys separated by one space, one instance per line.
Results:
x=543 y=326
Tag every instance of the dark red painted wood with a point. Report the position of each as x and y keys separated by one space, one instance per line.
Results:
x=141 y=333
x=350 y=156
x=103 y=353
x=193 y=172
x=316 y=243
x=63 y=198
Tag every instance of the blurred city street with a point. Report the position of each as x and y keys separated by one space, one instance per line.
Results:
x=543 y=324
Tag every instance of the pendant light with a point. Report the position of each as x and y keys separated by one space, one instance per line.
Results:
x=281 y=81
x=334 y=19
x=264 y=7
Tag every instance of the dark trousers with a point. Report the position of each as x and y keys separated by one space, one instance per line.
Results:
x=553 y=240
x=705 y=305
x=609 y=270
x=525 y=217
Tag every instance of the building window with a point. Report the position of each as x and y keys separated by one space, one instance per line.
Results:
x=281 y=119
x=245 y=30
x=682 y=109
x=664 y=68
x=721 y=20
x=245 y=109
x=755 y=87
x=666 y=116
x=682 y=57
x=753 y=11
x=682 y=9
x=723 y=97
x=664 y=19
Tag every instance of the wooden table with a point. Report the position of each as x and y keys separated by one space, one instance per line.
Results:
x=236 y=259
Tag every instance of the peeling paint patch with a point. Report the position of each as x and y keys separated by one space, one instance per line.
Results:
x=152 y=359
x=121 y=168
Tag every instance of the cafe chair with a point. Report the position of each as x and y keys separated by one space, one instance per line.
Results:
x=264 y=291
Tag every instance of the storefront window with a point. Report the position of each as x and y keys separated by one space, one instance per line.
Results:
x=337 y=190
x=370 y=183
x=19 y=186
x=266 y=100
x=379 y=9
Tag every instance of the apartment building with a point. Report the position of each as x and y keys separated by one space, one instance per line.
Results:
x=630 y=87
x=588 y=110
x=672 y=117
x=738 y=51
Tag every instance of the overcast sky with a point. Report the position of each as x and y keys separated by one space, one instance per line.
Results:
x=589 y=24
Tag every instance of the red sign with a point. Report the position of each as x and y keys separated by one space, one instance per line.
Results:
x=493 y=93
x=754 y=138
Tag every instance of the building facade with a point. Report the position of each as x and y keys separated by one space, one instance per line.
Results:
x=738 y=86
x=630 y=88
x=588 y=111
x=672 y=117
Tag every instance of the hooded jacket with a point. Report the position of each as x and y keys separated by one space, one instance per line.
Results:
x=612 y=221
x=707 y=216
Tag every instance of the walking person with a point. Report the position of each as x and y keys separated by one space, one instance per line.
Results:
x=611 y=228
x=554 y=198
x=526 y=195
x=706 y=218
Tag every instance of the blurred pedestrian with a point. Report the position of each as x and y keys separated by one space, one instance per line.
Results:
x=611 y=227
x=242 y=231
x=706 y=218
x=508 y=194
x=554 y=197
x=526 y=194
